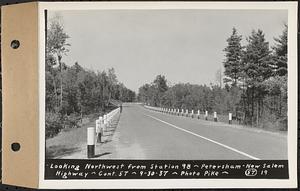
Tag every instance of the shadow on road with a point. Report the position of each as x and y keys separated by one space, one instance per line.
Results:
x=102 y=154
x=110 y=130
x=58 y=151
x=106 y=141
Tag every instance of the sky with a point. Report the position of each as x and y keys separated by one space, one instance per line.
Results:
x=184 y=45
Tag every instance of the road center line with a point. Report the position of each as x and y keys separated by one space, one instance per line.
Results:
x=220 y=144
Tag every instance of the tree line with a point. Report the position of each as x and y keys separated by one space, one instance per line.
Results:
x=73 y=92
x=255 y=78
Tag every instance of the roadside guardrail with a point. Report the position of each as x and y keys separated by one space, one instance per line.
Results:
x=94 y=134
x=187 y=113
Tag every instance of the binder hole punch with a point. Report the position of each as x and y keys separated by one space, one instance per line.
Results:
x=15 y=44
x=15 y=147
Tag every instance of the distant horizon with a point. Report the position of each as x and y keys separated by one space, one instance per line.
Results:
x=141 y=44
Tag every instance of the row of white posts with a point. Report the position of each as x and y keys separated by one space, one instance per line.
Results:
x=94 y=134
x=186 y=113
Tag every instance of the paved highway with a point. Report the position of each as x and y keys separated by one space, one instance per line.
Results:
x=140 y=133
x=145 y=134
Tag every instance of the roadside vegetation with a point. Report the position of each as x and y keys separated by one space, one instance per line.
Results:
x=73 y=92
x=255 y=89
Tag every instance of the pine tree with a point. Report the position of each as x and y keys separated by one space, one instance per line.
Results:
x=257 y=68
x=257 y=65
x=233 y=53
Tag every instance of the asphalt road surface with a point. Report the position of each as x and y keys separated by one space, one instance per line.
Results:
x=140 y=133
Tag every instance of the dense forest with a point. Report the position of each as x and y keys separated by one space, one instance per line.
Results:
x=255 y=79
x=72 y=91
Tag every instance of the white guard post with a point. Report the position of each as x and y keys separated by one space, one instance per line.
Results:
x=105 y=123
x=215 y=117
x=97 y=126
x=98 y=129
x=91 y=142
x=230 y=118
